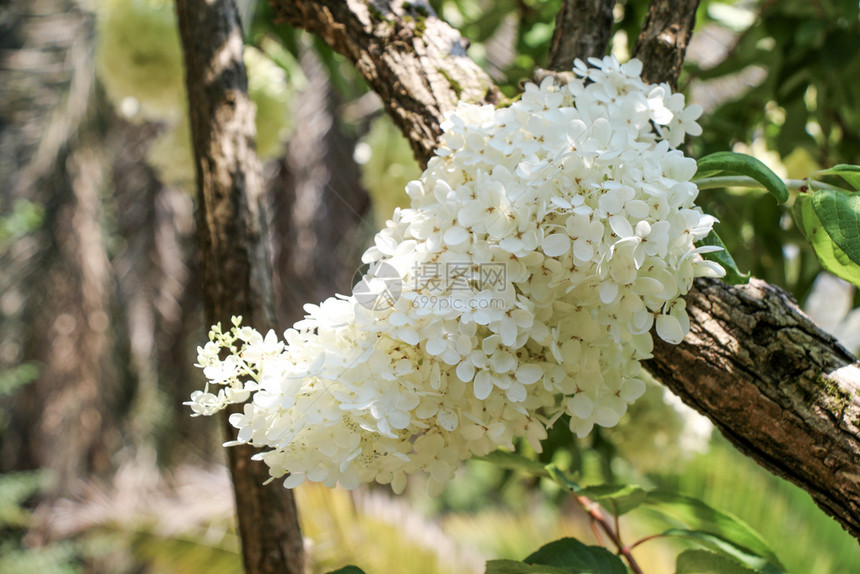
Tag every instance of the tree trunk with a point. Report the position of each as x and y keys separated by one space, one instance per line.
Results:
x=236 y=272
x=582 y=30
x=158 y=298
x=663 y=40
x=368 y=40
x=49 y=126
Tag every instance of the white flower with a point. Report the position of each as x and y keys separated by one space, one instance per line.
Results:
x=206 y=404
x=222 y=371
x=544 y=241
x=259 y=348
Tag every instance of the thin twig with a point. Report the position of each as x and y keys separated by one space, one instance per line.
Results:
x=596 y=531
x=597 y=515
x=646 y=539
x=744 y=181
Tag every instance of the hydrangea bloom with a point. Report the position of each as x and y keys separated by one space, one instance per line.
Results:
x=544 y=242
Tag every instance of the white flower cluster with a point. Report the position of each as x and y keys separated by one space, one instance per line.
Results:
x=544 y=242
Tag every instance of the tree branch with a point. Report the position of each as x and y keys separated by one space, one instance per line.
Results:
x=663 y=40
x=779 y=388
x=582 y=30
x=415 y=61
x=237 y=277
x=766 y=384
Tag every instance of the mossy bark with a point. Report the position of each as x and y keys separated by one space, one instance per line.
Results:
x=779 y=388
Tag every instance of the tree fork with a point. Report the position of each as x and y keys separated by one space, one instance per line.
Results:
x=236 y=274
x=415 y=61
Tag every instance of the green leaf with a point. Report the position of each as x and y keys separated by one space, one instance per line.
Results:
x=515 y=567
x=704 y=562
x=850 y=173
x=724 y=258
x=743 y=164
x=618 y=498
x=562 y=479
x=839 y=213
x=727 y=549
x=514 y=461
x=571 y=555
x=831 y=257
x=348 y=570
x=696 y=515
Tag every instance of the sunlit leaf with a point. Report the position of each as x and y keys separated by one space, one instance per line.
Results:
x=839 y=213
x=704 y=562
x=620 y=499
x=831 y=257
x=727 y=549
x=742 y=164
x=696 y=515
x=850 y=173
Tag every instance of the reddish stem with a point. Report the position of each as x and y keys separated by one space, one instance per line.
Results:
x=596 y=531
x=646 y=539
x=597 y=515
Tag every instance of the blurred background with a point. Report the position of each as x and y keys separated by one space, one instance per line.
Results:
x=102 y=468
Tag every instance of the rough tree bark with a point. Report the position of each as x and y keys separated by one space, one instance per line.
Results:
x=779 y=388
x=582 y=30
x=662 y=43
x=786 y=393
x=415 y=61
x=236 y=271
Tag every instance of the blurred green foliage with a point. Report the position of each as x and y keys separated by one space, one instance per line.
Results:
x=806 y=539
x=24 y=217
x=139 y=63
x=792 y=93
x=17 y=490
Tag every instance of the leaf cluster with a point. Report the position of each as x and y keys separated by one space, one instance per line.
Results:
x=828 y=215
x=784 y=89
x=720 y=542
